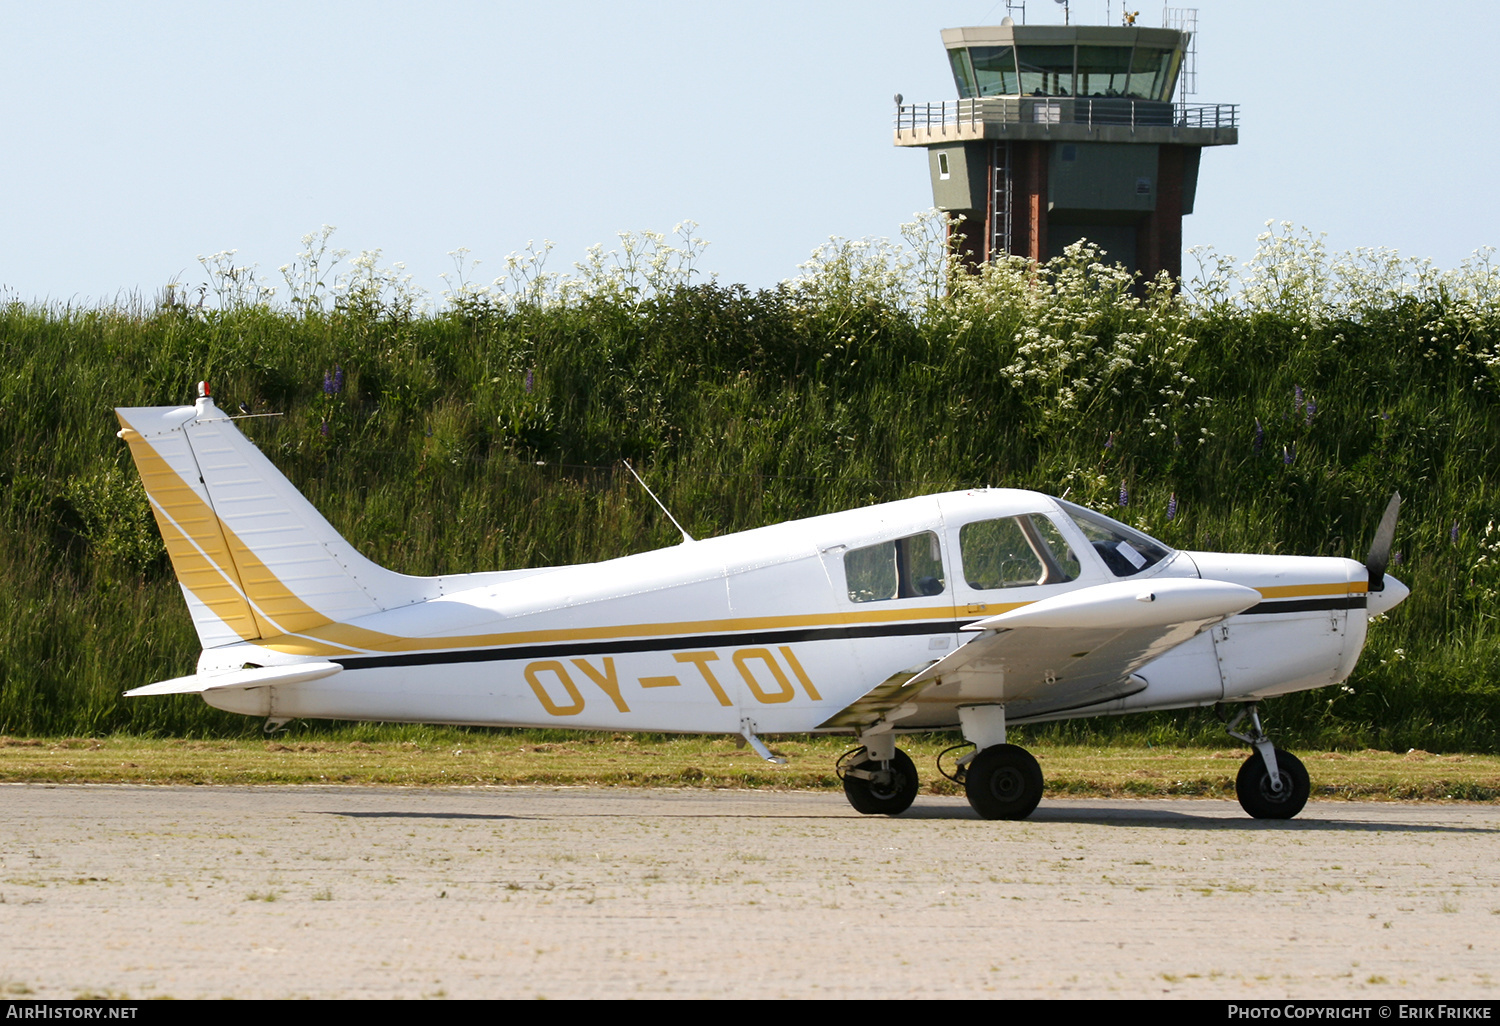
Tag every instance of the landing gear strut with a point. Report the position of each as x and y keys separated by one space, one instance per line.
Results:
x=1273 y=783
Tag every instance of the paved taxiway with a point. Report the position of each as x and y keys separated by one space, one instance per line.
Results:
x=560 y=892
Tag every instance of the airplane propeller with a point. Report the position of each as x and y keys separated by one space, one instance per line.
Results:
x=1380 y=548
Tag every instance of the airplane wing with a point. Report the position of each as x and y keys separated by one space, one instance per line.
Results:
x=1064 y=652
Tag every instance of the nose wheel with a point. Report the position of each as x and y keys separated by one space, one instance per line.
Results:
x=1273 y=783
x=1265 y=800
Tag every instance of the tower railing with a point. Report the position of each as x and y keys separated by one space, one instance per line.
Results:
x=1065 y=110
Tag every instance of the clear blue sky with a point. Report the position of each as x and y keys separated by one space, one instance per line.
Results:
x=140 y=135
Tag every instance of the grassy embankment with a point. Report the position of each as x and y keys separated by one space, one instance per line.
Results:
x=1280 y=405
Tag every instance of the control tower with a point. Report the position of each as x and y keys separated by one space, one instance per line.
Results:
x=1066 y=132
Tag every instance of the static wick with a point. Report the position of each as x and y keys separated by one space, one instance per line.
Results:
x=685 y=536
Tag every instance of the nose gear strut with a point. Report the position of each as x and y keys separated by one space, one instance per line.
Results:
x=1273 y=783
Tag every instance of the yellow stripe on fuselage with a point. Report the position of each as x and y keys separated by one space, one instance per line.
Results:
x=1304 y=590
x=313 y=642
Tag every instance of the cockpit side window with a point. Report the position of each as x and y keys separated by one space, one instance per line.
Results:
x=1124 y=550
x=1015 y=552
x=909 y=567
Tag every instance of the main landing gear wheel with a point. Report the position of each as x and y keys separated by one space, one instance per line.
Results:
x=877 y=791
x=1257 y=797
x=1004 y=782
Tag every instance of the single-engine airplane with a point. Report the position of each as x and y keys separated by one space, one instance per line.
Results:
x=968 y=610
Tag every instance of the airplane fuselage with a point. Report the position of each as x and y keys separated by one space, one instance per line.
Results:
x=767 y=626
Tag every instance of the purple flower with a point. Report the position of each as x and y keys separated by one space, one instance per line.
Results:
x=1124 y=495
x=1312 y=407
x=1396 y=558
x=327 y=383
x=1260 y=437
x=1109 y=443
x=1297 y=398
x=1172 y=507
x=1288 y=454
x=1453 y=534
x=324 y=429
x=529 y=380
x=338 y=378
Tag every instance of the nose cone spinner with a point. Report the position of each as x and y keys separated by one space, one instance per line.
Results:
x=1391 y=595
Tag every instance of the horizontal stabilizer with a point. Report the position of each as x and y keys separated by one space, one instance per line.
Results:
x=258 y=677
x=1125 y=605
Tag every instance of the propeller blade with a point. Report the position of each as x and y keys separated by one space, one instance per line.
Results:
x=1380 y=548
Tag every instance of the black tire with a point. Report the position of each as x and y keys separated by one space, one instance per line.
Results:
x=1253 y=787
x=1004 y=782
x=886 y=798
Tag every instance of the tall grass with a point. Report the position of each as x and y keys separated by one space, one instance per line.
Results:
x=1278 y=404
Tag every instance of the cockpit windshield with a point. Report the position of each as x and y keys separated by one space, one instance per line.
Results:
x=1124 y=550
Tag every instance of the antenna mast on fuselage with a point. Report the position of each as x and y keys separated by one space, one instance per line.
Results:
x=685 y=536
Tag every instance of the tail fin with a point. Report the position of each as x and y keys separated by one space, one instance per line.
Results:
x=253 y=557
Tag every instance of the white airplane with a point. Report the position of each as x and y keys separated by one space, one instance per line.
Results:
x=969 y=610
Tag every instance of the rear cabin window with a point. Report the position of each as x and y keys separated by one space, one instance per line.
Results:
x=1015 y=552
x=905 y=568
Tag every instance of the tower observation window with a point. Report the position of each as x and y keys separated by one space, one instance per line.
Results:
x=1149 y=74
x=1103 y=70
x=1046 y=70
x=995 y=70
x=1141 y=72
x=963 y=74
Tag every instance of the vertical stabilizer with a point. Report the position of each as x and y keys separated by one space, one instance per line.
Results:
x=254 y=558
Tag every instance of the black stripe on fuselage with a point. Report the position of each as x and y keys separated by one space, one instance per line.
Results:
x=1307 y=605
x=670 y=644
x=782 y=637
